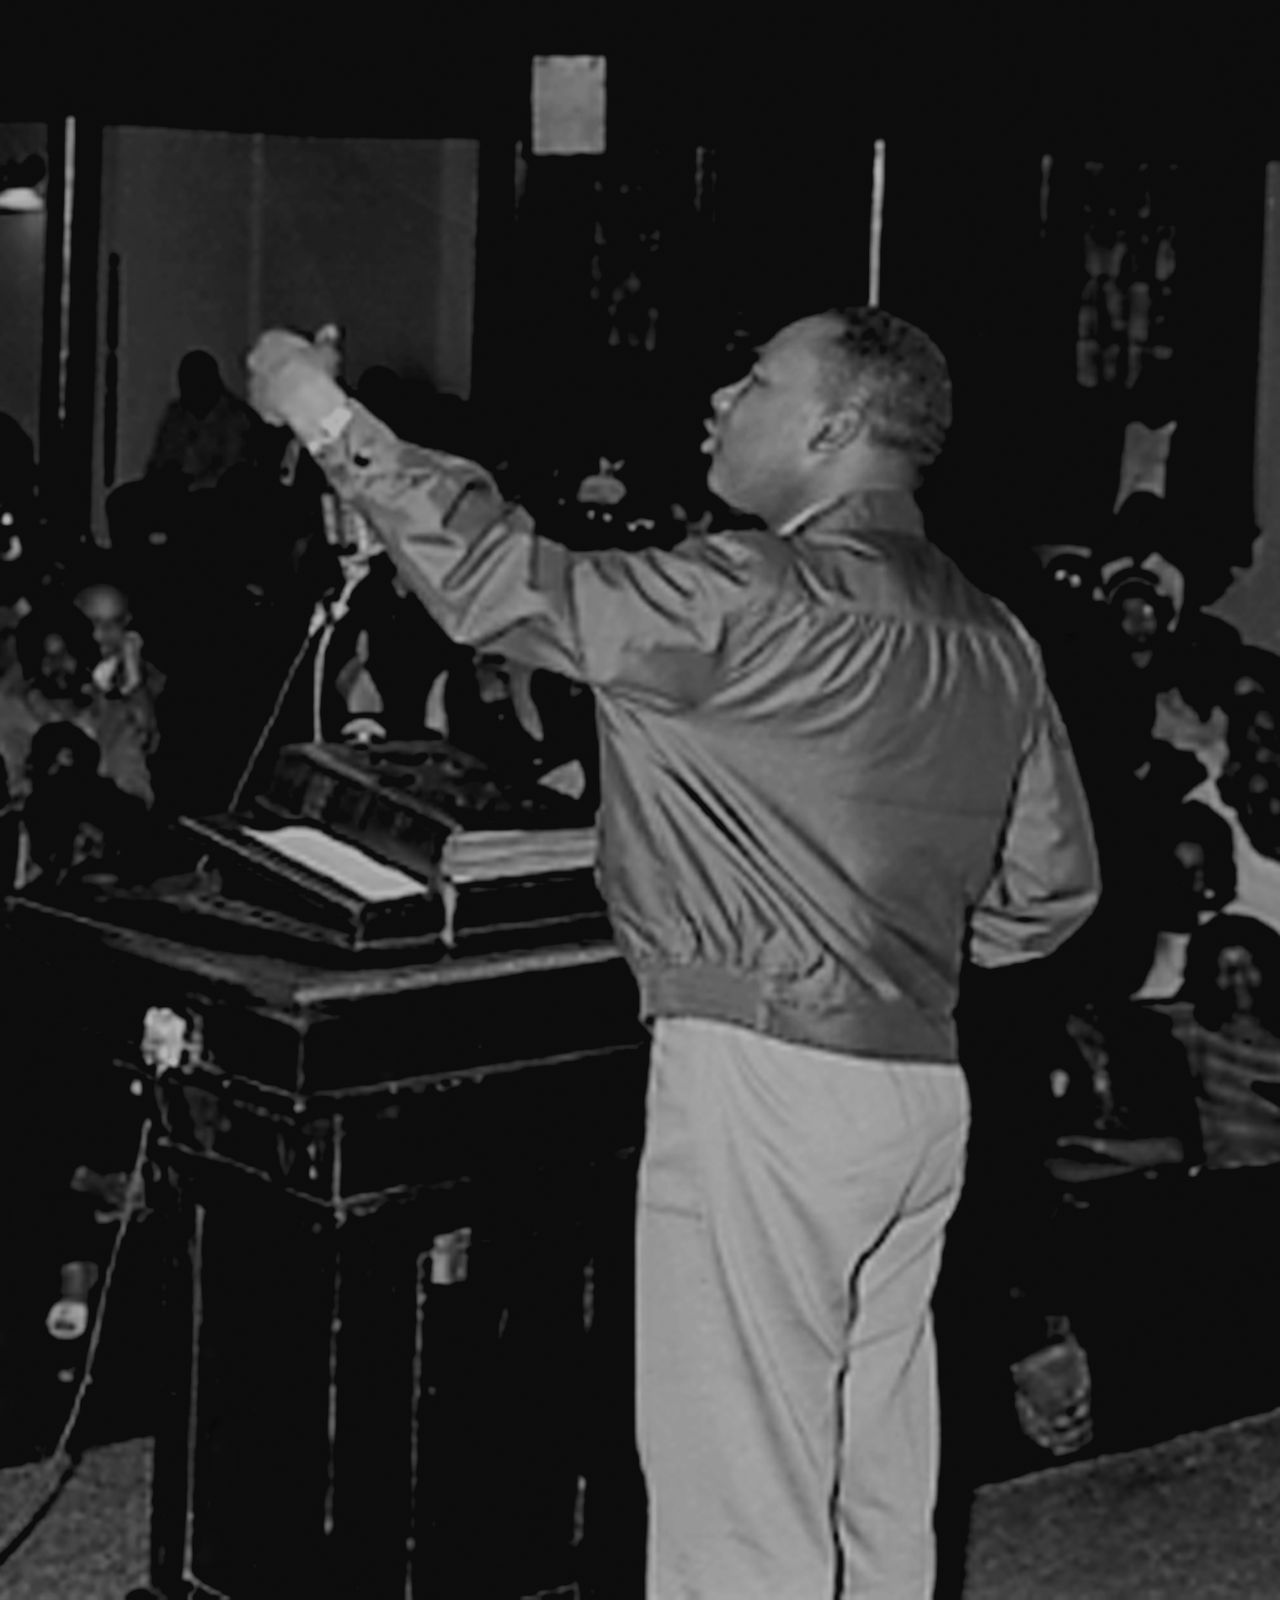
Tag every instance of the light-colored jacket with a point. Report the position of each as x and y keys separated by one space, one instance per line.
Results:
x=830 y=766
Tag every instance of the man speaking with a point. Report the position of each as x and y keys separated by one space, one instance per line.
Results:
x=830 y=771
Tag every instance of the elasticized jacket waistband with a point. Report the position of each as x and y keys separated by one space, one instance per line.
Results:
x=874 y=1028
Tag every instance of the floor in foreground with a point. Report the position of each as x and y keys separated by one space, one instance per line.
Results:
x=1196 y=1518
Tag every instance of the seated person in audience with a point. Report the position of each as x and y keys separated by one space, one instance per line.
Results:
x=1144 y=618
x=75 y=822
x=1122 y=1099
x=203 y=433
x=52 y=681
x=1167 y=773
x=1232 y=1039
x=1253 y=728
x=1259 y=807
x=49 y=681
x=122 y=671
x=1146 y=537
x=1242 y=773
x=1248 y=769
x=1202 y=666
x=394 y=653
x=531 y=724
x=1196 y=880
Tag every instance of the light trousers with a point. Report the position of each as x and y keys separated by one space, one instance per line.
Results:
x=790 y=1225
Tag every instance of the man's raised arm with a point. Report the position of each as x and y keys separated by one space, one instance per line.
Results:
x=610 y=617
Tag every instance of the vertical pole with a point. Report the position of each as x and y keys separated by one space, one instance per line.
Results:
x=51 y=442
x=1266 y=458
x=78 y=354
x=111 y=375
x=257 y=204
x=877 y=221
x=63 y=245
x=1046 y=170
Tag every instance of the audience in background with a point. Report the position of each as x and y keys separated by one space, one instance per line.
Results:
x=1123 y=1101
x=123 y=671
x=222 y=557
x=1195 y=879
x=75 y=821
x=1232 y=1039
x=52 y=681
x=204 y=433
x=386 y=656
x=529 y=725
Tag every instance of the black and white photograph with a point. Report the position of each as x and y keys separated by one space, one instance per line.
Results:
x=640 y=807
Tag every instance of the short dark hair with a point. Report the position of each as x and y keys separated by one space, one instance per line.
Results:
x=899 y=372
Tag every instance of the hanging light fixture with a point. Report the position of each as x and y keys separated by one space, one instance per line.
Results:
x=20 y=184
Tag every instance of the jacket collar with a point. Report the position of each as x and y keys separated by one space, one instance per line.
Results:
x=888 y=510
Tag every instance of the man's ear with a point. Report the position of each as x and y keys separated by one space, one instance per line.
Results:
x=839 y=428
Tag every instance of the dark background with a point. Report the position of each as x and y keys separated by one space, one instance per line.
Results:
x=749 y=146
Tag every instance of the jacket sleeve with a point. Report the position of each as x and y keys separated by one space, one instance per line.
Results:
x=649 y=621
x=1046 y=881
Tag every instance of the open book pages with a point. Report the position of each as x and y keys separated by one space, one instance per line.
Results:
x=344 y=864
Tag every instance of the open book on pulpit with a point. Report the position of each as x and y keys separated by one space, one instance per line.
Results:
x=384 y=847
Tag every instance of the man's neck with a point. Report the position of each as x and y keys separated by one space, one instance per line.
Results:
x=817 y=503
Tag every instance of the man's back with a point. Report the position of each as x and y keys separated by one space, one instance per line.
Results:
x=830 y=790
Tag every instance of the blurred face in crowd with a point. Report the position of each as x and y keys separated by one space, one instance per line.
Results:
x=1238 y=977
x=1258 y=727
x=108 y=611
x=1140 y=625
x=1260 y=805
x=1207 y=882
x=60 y=675
x=1138 y=620
x=764 y=425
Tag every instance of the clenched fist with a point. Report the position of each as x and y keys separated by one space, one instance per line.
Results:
x=292 y=380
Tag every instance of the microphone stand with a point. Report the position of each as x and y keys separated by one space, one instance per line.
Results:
x=330 y=610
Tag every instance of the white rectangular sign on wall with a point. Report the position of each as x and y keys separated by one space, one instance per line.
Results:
x=568 y=105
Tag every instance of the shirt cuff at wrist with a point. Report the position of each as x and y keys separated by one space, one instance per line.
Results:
x=330 y=429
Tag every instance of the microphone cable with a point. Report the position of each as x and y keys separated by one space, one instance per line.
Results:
x=56 y=1472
